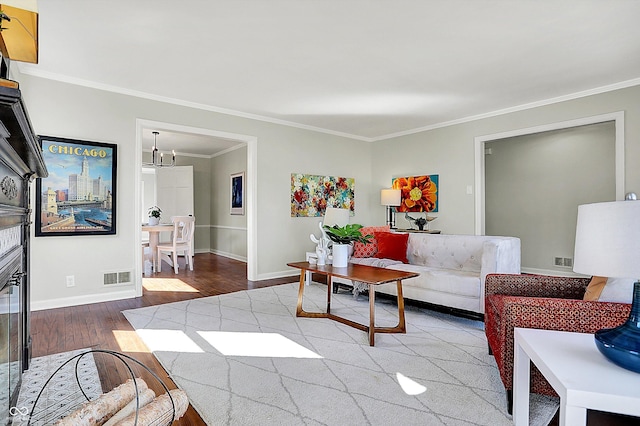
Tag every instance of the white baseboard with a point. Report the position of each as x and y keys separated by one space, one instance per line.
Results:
x=261 y=277
x=82 y=300
x=295 y=275
x=229 y=255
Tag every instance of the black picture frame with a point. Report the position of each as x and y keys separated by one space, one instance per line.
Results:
x=237 y=193
x=79 y=195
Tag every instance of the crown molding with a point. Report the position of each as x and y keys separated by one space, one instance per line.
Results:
x=144 y=95
x=523 y=107
x=115 y=89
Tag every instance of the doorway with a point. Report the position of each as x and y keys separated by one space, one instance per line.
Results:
x=250 y=142
x=519 y=152
x=169 y=187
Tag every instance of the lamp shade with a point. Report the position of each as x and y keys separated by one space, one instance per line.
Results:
x=19 y=35
x=335 y=216
x=608 y=239
x=390 y=197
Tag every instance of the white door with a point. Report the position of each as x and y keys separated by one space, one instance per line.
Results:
x=174 y=191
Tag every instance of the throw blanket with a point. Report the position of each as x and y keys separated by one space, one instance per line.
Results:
x=359 y=286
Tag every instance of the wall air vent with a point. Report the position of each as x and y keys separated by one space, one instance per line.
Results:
x=120 y=277
x=565 y=262
x=111 y=278
x=124 y=277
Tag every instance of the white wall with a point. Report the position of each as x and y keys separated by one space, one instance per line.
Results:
x=284 y=238
x=228 y=233
x=60 y=109
x=447 y=152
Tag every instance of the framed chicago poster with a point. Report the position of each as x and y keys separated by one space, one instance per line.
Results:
x=79 y=195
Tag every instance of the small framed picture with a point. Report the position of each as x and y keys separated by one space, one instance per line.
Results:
x=237 y=193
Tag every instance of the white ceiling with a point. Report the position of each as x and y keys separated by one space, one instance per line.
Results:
x=364 y=68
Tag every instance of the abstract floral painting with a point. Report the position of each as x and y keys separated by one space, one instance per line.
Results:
x=418 y=193
x=312 y=194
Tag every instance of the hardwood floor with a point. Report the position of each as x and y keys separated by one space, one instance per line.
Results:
x=103 y=326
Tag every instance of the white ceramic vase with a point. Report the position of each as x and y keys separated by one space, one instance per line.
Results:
x=154 y=220
x=340 y=255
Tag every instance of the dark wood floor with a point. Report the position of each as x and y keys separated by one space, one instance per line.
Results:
x=103 y=326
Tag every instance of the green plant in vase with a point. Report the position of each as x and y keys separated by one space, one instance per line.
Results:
x=154 y=215
x=342 y=238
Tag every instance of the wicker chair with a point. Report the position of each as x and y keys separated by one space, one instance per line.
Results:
x=543 y=302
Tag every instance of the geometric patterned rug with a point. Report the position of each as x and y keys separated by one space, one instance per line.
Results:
x=245 y=358
x=62 y=391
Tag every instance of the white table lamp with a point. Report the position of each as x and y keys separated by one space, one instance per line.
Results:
x=391 y=198
x=608 y=245
x=336 y=216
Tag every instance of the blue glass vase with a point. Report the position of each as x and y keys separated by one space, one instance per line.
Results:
x=621 y=345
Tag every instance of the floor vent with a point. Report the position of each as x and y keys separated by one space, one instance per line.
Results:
x=112 y=278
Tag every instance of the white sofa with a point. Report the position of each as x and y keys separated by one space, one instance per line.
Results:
x=452 y=268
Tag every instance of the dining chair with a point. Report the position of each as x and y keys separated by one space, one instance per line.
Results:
x=181 y=238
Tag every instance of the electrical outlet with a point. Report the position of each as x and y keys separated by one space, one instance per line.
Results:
x=71 y=281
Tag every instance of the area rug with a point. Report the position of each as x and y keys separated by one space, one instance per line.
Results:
x=245 y=359
x=62 y=390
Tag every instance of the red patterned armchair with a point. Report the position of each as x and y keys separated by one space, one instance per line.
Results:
x=544 y=302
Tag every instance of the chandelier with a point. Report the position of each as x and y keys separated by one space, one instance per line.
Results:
x=157 y=158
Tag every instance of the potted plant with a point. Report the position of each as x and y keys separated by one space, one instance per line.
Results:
x=154 y=215
x=343 y=237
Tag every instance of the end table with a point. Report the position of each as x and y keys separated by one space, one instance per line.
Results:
x=577 y=371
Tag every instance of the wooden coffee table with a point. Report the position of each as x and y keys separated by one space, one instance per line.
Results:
x=369 y=275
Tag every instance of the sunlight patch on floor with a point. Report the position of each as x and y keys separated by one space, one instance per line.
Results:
x=168 y=341
x=128 y=341
x=263 y=345
x=409 y=386
x=167 y=284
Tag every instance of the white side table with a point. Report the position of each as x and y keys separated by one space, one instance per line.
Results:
x=579 y=373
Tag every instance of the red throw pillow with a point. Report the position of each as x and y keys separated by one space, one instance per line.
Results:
x=368 y=250
x=392 y=246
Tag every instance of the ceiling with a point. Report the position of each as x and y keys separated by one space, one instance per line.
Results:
x=362 y=68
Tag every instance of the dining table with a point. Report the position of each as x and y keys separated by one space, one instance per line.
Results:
x=154 y=238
